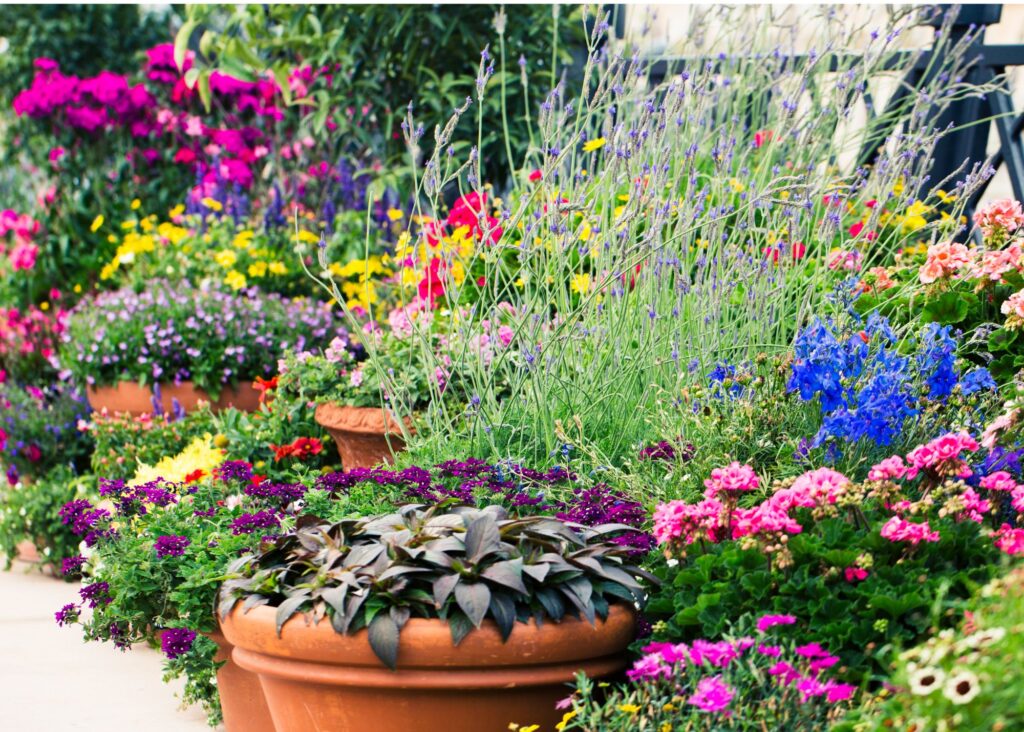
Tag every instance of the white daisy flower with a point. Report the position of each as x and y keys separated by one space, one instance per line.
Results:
x=925 y=680
x=962 y=687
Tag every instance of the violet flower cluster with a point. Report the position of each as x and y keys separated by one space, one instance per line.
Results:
x=176 y=333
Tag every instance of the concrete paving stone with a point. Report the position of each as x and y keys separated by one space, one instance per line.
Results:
x=53 y=681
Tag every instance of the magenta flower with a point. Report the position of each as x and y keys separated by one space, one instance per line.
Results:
x=733 y=479
x=712 y=695
x=770 y=621
x=898 y=529
x=651 y=666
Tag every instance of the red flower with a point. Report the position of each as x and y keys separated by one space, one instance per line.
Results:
x=33 y=453
x=855 y=574
x=265 y=385
x=856 y=229
x=257 y=479
x=185 y=155
x=763 y=136
x=535 y=176
x=301 y=448
x=195 y=475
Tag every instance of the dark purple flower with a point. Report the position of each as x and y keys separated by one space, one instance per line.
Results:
x=171 y=546
x=235 y=470
x=71 y=566
x=66 y=615
x=176 y=642
x=95 y=594
x=247 y=523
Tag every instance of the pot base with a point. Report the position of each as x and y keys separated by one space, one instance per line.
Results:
x=127 y=397
x=365 y=436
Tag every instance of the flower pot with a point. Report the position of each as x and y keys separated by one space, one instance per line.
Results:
x=131 y=398
x=317 y=679
x=241 y=695
x=27 y=552
x=365 y=436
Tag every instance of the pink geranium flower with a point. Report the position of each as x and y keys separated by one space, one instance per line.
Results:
x=898 y=529
x=770 y=621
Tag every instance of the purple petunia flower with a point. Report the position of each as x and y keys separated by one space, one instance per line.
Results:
x=171 y=546
x=66 y=615
x=175 y=642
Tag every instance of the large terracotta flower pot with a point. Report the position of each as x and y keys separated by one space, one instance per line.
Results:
x=241 y=695
x=129 y=397
x=317 y=679
x=365 y=436
x=27 y=552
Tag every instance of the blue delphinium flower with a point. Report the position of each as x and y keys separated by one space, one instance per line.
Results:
x=977 y=380
x=937 y=360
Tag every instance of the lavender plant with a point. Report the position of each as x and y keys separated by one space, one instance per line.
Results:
x=669 y=227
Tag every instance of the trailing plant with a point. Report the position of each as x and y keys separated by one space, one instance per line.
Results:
x=459 y=564
x=29 y=511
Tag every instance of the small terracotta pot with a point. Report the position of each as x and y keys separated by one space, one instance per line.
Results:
x=129 y=397
x=317 y=679
x=241 y=695
x=27 y=552
x=365 y=436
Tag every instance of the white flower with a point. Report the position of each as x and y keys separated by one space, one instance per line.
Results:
x=962 y=687
x=925 y=680
x=981 y=639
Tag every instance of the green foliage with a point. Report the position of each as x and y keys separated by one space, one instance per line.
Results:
x=458 y=564
x=40 y=428
x=905 y=593
x=29 y=512
x=970 y=679
x=383 y=57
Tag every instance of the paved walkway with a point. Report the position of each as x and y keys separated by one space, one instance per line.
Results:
x=52 y=681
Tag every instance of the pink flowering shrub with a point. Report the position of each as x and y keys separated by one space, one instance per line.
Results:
x=766 y=680
x=862 y=562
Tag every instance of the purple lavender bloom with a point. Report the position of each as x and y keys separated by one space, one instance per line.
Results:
x=175 y=642
x=171 y=546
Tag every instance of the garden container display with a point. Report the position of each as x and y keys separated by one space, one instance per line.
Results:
x=131 y=398
x=365 y=436
x=241 y=695
x=27 y=552
x=317 y=679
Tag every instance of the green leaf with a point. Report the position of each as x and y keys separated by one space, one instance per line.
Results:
x=503 y=610
x=181 y=42
x=947 y=309
x=508 y=573
x=482 y=537
x=1002 y=339
x=383 y=637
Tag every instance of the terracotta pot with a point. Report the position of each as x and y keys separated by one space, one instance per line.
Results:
x=130 y=397
x=241 y=695
x=27 y=552
x=316 y=679
x=365 y=436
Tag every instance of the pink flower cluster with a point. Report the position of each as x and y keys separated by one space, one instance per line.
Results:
x=1010 y=540
x=944 y=260
x=712 y=519
x=673 y=661
x=23 y=255
x=942 y=456
x=899 y=529
x=1005 y=215
x=32 y=331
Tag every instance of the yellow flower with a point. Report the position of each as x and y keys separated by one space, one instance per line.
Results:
x=136 y=204
x=77 y=289
x=308 y=237
x=225 y=258
x=596 y=144
x=213 y=204
x=176 y=211
x=242 y=240
x=235 y=280
x=628 y=708
x=96 y=223
x=394 y=214
x=945 y=197
x=199 y=455
x=618 y=211
x=580 y=283
x=278 y=268
x=258 y=269
x=129 y=225
x=112 y=239
x=565 y=720
x=44 y=306
x=585 y=232
x=665 y=727
x=735 y=184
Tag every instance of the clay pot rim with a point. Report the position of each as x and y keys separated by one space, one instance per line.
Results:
x=369 y=420
x=426 y=644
